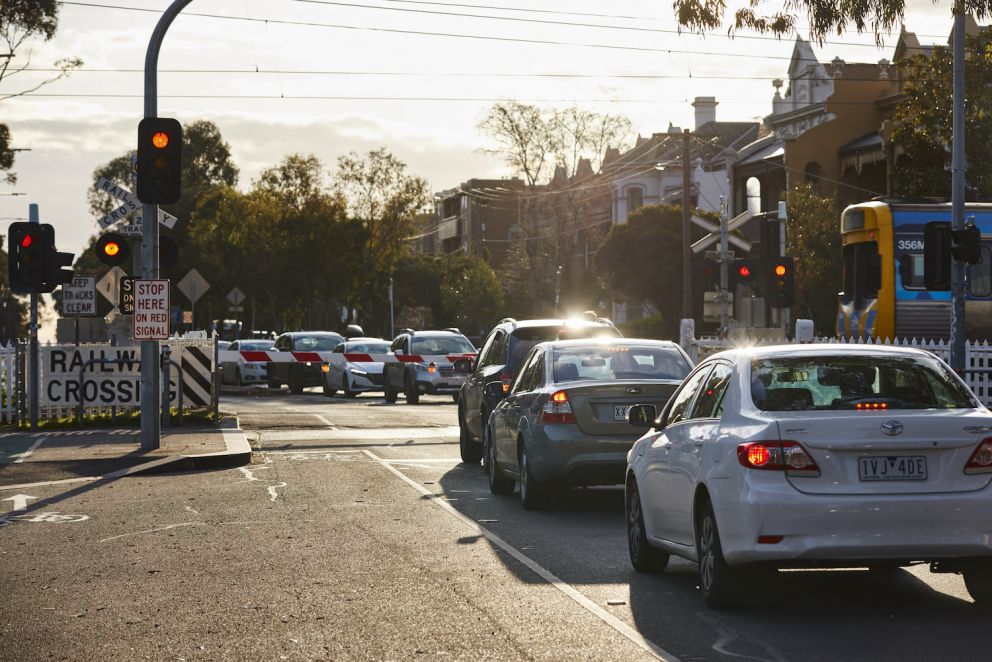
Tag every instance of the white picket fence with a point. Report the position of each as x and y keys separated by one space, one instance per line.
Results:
x=978 y=354
x=199 y=377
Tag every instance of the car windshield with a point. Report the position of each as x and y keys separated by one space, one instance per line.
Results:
x=317 y=343
x=523 y=339
x=855 y=382
x=367 y=348
x=256 y=345
x=431 y=345
x=618 y=363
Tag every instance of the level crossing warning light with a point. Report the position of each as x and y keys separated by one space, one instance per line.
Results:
x=112 y=249
x=160 y=151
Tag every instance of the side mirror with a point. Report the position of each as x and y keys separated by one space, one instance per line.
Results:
x=642 y=416
x=494 y=389
x=463 y=366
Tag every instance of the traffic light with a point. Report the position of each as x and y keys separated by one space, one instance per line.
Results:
x=160 y=151
x=781 y=282
x=113 y=249
x=58 y=269
x=937 y=248
x=168 y=253
x=26 y=257
x=705 y=275
x=743 y=271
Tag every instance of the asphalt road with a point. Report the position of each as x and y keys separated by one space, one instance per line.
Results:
x=357 y=534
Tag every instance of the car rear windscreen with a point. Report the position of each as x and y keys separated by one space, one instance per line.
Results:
x=367 y=348
x=619 y=363
x=855 y=382
x=317 y=343
x=431 y=345
x=523 y=339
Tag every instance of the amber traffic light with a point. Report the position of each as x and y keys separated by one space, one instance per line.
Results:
x=781 y=283
x=112 y=249
x=160 y=142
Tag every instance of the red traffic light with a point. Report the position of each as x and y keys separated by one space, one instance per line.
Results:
x=27 y=241
x=744 y=271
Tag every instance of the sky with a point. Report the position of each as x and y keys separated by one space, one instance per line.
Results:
x=322 y=77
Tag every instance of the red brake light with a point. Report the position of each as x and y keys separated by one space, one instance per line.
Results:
x=980 y=461
x=557 y=409
x=787 y=456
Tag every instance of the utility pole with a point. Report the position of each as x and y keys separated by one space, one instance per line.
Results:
x=958 y=329
x=724 y=267
x=686 y=253
x=34 y=371
x=150 y=373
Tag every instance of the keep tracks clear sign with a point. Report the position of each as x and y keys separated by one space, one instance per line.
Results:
x=113 y=381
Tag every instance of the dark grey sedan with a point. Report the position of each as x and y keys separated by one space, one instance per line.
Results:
x=564 y=422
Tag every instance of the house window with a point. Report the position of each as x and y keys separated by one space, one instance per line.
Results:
x=753 y=189
x=812 y=172
x=635 y=199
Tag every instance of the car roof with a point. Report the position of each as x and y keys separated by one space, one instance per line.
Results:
x=428 y=334
x=293 y=334
x=523 y=324
x=610 y=340
x=817 y=349
x=351 y=340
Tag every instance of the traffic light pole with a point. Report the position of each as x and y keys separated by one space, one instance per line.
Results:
x=150 y=375
x=34 y=371
x=958 y=330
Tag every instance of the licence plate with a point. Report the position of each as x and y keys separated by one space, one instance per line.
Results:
x=455 y=381
x=893 y=467
x=620 y=412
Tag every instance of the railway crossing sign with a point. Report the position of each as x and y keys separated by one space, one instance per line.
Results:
x=130 y=204
x=714 y=233
x=79 y=297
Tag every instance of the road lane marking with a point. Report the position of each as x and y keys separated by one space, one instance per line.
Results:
x=273 y=495
x=23 y=456
x=630 y=633
x=20 y=501
x=161 y=528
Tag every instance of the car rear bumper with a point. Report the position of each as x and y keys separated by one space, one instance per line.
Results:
x=564 y=454
x=835 y=528
x=439 y=384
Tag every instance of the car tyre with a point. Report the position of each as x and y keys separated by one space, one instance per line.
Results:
x=346 y=387
x=533 y=494
x=238 y=381
x=718 y=582
x=271 y=382
x=295 y=382
x=328 y=391
x=978 y=581
x=470 y=451
x=412 y=395
x=389 y=394
x=643 y=556
x=498 y=483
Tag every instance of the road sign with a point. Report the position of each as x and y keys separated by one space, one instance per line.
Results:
x=193 y=285
x=714 y=233
x=235 y=309
x=79 y=297
x=236 y=296
x=130 y=205
x=187 y=317
x=151 y=310
x=125 y=299
x=715 y=255
x=108 y=285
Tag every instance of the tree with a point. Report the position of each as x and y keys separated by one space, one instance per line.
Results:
x=814 y=239
x=21 y=21
x=459 y=290
x=386 y=201
x=824 y=16
x=922 y=128
x=642 y=259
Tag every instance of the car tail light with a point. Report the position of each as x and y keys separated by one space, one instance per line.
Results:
x=432 y=368
x=507 y=379
x=980 y=461
x=325 y=368
x=557 y=409
x=787 y=456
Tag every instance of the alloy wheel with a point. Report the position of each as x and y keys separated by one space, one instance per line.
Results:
x=707 y=538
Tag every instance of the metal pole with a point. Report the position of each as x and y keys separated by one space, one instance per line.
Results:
x=958 y=330
x=392 y=333
x=166 y=388
x=724 y=265
x=686 y=254
x=34 y=371
x=557 y=290
x=150 y=430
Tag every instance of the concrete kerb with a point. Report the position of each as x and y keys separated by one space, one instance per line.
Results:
x=237 y=453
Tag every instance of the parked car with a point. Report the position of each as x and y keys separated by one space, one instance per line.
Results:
x=243 y=371
x=813 y=455
x=413 y=375
x=564 y=421
x=306 y=369
x=499 y=360
x=358 y=372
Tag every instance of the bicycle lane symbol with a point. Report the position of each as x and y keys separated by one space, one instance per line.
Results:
x=50 y=517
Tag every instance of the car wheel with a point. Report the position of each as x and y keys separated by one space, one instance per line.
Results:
x=346 y=387
x=978 y=581
x=295 y=382
x=498 y=483
x=389 y=393
x=412 y=394
x=238 y=381
x=470 y=451
x=271 y=382
x=328 y=391
x=533 y=494
x=718 y=582
x=643 y=556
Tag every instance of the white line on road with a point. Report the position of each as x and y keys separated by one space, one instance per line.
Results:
x=273 y=495
x=162 y=528
x=23 y=456
x=590 y=606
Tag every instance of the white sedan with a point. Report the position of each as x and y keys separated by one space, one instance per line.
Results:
x=359 y=371
x=813 y=456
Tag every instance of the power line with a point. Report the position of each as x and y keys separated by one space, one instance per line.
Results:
x=520 y=40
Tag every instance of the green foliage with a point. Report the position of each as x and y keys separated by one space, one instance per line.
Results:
x=922 y=124
x=648 y=327
x=459 y=290
x=814 y=241
x=641 y=260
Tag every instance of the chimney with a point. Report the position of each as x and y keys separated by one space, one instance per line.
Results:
x=705 y=110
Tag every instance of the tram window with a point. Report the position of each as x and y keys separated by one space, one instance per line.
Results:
x=852 y=219
x=980 y=275
x=911 y=271
x=862 y=273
